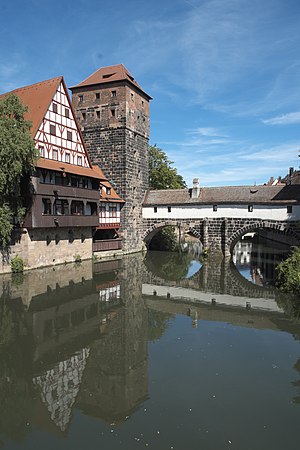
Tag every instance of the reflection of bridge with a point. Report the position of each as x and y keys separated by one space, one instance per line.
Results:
x=219 y=217
x=219 y=276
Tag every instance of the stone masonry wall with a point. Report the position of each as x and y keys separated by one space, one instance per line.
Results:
x=221 y=234
x=48 y=247
x=115 y=129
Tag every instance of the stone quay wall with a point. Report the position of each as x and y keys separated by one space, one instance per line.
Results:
x=48 y=247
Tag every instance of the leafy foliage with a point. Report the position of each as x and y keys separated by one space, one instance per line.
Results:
x=165 y=239
x=17 y=156
x=162 y=174
x=17 y=264
x=288 y=273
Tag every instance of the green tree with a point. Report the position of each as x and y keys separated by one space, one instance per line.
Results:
x=288 y=273
x=161 y=173
x=17 y=157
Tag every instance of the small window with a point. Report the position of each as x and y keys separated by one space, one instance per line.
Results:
x=67 y=112
x=69 y=136
x=98 y=114
x=155 y=209
x=53 y=130
x=55 y=155
x=250 y=208
x=41 y=151
x=79 y=160
x=80 y=98
x=113 y=112
x=108 y=191
x=113 y=93
x=54 y=107
x=142 y=102
x=97 y=95
x=46 y=206
x=68 y=158
x=61 y=207
x=83 y=116
x=169 y=208
x=215 y=207
x=132 y=96
x=289 y=209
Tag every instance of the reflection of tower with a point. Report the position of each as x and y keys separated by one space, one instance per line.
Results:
x=113 y=112
x=116 y=372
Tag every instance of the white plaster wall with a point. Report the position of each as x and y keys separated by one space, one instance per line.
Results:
x=229 y=211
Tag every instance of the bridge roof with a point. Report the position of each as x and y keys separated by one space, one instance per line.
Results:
x=279 y=194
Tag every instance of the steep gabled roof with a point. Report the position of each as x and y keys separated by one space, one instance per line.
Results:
x=37 y=97
x=110 y=74
x=113 y=196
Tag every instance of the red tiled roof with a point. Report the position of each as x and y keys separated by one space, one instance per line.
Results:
x=49 y=164
x=109 y=74
x=37 y=97
x=104 y=182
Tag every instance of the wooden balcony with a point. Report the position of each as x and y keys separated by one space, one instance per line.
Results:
x=107 y=244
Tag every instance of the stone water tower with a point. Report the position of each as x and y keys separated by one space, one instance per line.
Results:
x=113 y=111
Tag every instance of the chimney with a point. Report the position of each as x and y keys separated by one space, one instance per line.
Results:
x=196 y=188
x=291 y=171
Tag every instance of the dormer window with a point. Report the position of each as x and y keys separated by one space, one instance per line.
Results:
x=108 y=191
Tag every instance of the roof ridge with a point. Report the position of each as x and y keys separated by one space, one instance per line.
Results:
x=39 y=83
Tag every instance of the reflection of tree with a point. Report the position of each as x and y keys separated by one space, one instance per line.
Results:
x=158 y=323
x=290 y=304
x=15 y=398
x=297 y=383
x=169 y=265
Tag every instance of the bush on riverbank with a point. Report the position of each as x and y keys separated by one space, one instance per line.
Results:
x=288 y=273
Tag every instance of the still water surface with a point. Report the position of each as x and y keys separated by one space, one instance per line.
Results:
x=161 y=352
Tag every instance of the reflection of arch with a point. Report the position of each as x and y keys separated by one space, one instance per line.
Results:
x=222 y=279
x=280 y=228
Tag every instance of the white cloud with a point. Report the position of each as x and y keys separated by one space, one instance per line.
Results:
x=285 y=119
x=206 y=131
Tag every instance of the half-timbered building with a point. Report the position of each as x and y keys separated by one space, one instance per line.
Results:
x=64 y=214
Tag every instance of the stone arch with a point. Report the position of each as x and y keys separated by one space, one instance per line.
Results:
x=153 y=229
x=277 y=227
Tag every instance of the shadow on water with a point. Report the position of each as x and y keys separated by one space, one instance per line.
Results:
x=93 y=340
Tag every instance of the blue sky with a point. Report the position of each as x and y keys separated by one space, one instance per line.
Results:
x=224 y=74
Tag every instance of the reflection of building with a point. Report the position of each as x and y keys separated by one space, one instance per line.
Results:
x=88 y=337
x=242 y=253
x=59 y=387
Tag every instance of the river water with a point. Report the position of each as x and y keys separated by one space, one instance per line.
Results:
x=161 y=351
